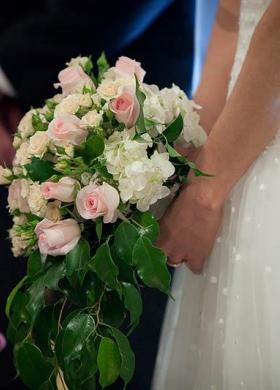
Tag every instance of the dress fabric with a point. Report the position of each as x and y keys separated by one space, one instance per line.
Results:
x=222 y=330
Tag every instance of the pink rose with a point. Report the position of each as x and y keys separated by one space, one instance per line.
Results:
x=57 y=238
x=130 y=67
x=3 y=342
x=64 y=190
x=18 y=196
x=94 y=201
x=126 y=109
x=67 y=129
x=73 y=79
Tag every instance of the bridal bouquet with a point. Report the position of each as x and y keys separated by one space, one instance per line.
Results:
x=89 y=166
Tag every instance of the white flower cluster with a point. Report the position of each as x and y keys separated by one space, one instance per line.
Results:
x=140 y=178
x=163 y=106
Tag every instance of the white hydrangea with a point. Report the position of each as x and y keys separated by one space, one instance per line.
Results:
x=38 y=144
x=36 y=202
x=92 y=118
x=71 y=104
x=163 y=106
x=175 y=101
x=22 y=154
x=121 y=150
x=25 y=127
x=5 y=174
x=142 y=182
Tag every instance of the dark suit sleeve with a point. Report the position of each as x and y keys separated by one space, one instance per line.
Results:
x=33 y=49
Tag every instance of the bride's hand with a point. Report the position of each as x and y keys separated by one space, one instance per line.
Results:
x=189 y=227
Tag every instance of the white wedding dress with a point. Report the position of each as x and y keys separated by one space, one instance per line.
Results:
x=223 y=330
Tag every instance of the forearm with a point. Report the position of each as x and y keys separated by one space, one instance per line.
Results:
x=251 y=116
x=212 y=90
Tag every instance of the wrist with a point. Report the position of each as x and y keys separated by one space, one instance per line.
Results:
x=210 y=191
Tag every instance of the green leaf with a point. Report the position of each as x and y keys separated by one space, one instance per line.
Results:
x=77 y=260
x=34 y=264
x=149 y=223
x=141 y=97
x=39 y=170
x=133 y=302
x=175 y=128
x=112 y=309
x=49 y=279
x=127 y=355
x=13 y=294
x=42 y=330
x=151 y=265
x=108 y=362
x=102 y=65
x=88 y=66
x=82 y=367
x=75 y=335
x=51 y=104
x=99 y=227
x=33 y=369
x=173 y=153
x=197 y=171
x=38 y=124
x=94 y=147
x=126 y=237
x=105 y=267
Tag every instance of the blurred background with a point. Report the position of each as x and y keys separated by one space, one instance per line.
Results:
x=36 y=39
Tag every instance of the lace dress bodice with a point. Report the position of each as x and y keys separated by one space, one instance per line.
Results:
x=250 y=13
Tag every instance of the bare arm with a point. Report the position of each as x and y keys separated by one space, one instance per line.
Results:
x=246 y=125
x=251 y=116
x=212 y=90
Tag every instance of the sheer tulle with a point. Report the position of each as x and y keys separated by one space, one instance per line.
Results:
x=222 y=331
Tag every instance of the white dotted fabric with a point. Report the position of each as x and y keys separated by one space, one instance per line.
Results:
x=222 y=331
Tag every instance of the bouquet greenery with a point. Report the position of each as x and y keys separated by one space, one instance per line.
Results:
x=89 y=167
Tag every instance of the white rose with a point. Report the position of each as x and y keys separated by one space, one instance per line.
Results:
x=17 y=141
x=36 y=202
x=78 y=61
x=38 y=144
x=92 y=118
x=19 y=171
x=19 y=219
x=96 y=99
x=71 y=104
x=69 y=150
x=22 y=154
x=5 y=175
x=25 y=127
x=109 y=89
x=57 y=98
